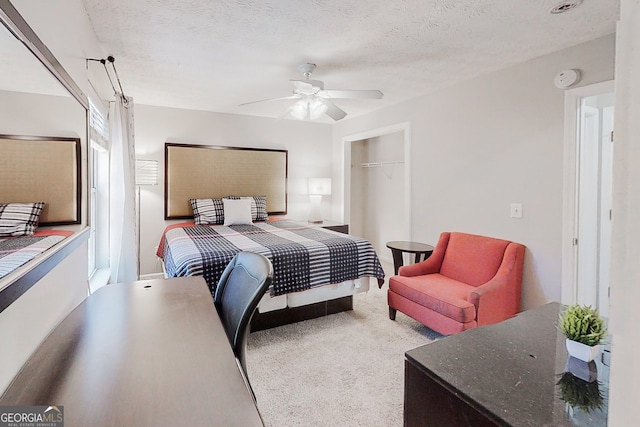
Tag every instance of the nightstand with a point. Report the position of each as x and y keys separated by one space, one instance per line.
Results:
x=340 y=228
x=331 y=225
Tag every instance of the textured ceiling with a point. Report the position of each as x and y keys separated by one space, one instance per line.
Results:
x=215 y=55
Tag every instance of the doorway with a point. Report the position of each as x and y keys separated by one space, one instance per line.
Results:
x=377 y=203
x=588 y=190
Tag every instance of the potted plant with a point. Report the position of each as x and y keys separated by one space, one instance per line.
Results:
x=584 y=329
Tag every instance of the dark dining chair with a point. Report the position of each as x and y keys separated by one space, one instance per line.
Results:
x=242 y=284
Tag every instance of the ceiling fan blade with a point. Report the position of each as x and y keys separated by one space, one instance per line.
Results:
x=273 y=99
x=332 y=109
x=353 y=94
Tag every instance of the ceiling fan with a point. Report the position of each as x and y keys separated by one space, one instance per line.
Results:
x=314 y=100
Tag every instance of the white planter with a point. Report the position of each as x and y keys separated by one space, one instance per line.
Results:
x=582 y=351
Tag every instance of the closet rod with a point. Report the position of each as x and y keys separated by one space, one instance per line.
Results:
x=376 y=164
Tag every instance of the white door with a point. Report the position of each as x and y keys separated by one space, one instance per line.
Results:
x=593 y=201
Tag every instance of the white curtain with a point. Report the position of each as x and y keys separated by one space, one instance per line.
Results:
x=123 y=241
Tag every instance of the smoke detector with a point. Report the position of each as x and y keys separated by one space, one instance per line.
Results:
x=567 y=78
x=565 y=6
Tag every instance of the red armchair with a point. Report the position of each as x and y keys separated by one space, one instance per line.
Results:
x=468 y=281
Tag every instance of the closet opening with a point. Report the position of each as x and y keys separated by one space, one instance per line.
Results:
x=377 y=187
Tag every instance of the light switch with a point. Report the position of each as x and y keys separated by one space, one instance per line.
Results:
x=516 y=210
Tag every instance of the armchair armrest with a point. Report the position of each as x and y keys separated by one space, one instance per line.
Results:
x=499 y=298
x=430 y=265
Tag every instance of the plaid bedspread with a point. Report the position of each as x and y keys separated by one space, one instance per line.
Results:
x=302 y=256
x=16 y=251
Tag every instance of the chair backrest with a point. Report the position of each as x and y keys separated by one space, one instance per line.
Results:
x=242 y=284
x=472 y=259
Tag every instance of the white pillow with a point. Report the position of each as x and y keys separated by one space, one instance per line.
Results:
x=237 y=211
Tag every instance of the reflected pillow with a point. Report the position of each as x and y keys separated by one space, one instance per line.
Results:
x=258 y=206
x=237 y=211
x=19 y=219
x=207 y=211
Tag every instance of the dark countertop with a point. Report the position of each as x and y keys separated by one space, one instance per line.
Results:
x=509 y=371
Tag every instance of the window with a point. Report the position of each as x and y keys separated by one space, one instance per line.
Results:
x=99 y=196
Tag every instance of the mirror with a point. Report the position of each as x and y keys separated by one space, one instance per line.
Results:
x=33 y=103
x=20 y=71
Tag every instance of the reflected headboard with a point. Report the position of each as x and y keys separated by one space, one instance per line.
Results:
x=42 y=169
x=206 y=171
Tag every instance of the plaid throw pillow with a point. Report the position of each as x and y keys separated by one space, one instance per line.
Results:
x=207 y=211
x=19 y=219
x=258 y=207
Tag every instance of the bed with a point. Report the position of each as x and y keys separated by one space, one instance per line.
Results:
x=316 y=270
x=311 y=264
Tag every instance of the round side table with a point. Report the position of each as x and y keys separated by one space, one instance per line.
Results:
x=399 y=247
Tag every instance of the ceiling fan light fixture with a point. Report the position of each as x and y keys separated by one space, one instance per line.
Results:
x=308 y=109
x=316 y=109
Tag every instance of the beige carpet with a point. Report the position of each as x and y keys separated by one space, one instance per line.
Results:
x=346 y=369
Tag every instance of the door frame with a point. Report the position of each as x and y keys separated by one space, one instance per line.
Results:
x=405 y=128
x=572 y=100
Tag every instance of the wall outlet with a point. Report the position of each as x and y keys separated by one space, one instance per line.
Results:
x=516 y=210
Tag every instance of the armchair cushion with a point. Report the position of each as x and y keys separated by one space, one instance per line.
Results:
x=439 y=293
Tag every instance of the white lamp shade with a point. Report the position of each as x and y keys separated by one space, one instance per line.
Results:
x=319 y=186
x=146 y=172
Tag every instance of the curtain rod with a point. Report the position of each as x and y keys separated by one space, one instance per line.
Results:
x=111 y=60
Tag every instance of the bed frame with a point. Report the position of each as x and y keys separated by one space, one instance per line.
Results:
x=206 y=171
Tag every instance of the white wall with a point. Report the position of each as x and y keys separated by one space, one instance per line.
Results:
x=625 y=269
x=308 y=144
x=28 y=321
x=480 y=145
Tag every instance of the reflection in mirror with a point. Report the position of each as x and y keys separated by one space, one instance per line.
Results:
x=20 y=71
x=36 y=295
x=32 y=101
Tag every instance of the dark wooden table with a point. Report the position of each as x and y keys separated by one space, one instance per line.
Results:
x=422 y=251
x=148 y=353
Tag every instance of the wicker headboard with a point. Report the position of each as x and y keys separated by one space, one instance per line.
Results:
x=204 y=171
x=42 y=169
